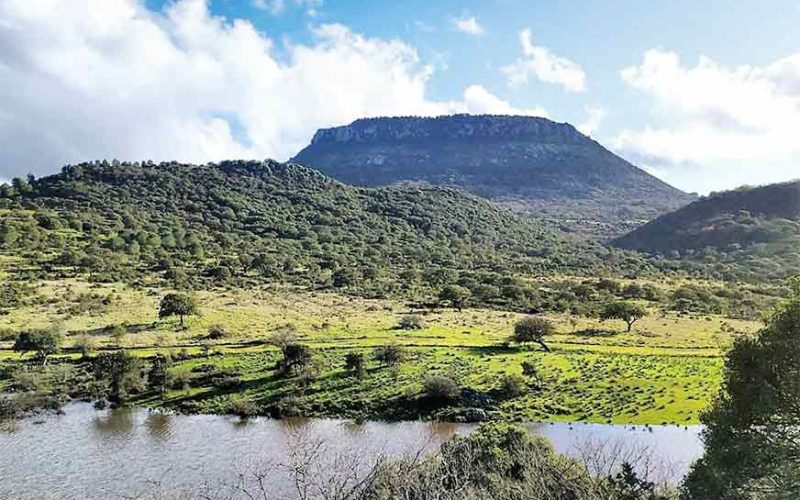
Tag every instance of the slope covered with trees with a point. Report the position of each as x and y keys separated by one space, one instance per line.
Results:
x=245 y=221
x=751 y=233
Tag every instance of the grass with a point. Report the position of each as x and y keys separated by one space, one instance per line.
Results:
x=665 y=371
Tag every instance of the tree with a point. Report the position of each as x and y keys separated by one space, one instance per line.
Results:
x=752 y=434
x=455 y=294
x=533 y=329
x=158 y=377
x=354 y=363
x=42 y=342
x=177 y=304
x=121 y=372
x=628 y=312
x=388 y=355
x=295 y=355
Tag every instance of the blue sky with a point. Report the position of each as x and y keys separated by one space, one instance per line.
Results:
x=702 y=94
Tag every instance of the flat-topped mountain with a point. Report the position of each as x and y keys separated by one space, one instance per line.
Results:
x=754 y=230
x=530 y=164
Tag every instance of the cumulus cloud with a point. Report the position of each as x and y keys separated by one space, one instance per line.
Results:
x=468 y=25
x=543 y=64
x=714 y=115
x=478 y=100
x=594 y=117
x=87 y=79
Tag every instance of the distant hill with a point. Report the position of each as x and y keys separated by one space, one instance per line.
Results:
x=247 y=221
x=753 y=232
x=530 y=164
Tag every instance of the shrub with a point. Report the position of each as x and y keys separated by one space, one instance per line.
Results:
x=512 y=386
x=411 y=322
x=441 y=389
x=242 y=407
x=354 y=363
x=388 y=355
x=217 y=332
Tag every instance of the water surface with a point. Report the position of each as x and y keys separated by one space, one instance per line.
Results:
x=129 y=453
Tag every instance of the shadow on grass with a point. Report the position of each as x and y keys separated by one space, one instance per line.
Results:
x=596 y=333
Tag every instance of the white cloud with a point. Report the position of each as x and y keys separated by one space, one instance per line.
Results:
x=545 y=66
x=274 y=7
x=478 y=100
x=714 y=115
x=594 y=116
x=87 y=79
x=469 y=25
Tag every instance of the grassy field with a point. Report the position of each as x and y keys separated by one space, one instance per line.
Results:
x=665 y=371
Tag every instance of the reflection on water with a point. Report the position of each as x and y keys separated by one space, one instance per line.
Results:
x=87 y=453
x=159 y=425
x=120 y=423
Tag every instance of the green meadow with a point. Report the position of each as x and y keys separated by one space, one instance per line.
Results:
x=665 y=371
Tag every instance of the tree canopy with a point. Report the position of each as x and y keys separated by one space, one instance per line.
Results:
x=752 y=435
x=177 y=304
x=626 y=311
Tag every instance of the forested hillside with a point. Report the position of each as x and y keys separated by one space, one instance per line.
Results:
x=751 y=233
x=243 y=221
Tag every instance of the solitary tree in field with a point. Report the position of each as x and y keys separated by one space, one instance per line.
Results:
x=390 y=355
x=42 y=342
x=533 y=329
x=177 y=304
x=455 y=294
x=628 y=312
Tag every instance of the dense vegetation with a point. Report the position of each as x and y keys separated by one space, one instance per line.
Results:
x=753 y=429
x=749 y=233
x=239 y=223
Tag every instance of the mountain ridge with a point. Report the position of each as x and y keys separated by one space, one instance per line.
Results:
x=753 y=230
x=530 y=164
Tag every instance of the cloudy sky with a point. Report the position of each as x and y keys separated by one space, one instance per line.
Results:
x=705 y=95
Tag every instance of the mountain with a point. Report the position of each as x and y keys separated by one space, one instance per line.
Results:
x=530 y=164
x=748 y=232
x=251 y=222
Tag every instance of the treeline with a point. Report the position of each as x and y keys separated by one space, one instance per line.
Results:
x=240 y=223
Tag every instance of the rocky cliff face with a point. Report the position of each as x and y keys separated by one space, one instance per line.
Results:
x=530 y=164
x=448 y=128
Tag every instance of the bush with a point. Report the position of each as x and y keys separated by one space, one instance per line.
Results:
x=217 y=332
x=512 y=386
x=411 y=322
x=242 y=407
x=442 y=389
x=389 y=355
x=354 y=363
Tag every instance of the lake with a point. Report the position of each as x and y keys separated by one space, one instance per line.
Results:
x=136 y=453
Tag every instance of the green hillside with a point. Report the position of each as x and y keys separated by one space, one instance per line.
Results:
x=751 y=233
x=244 y=222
